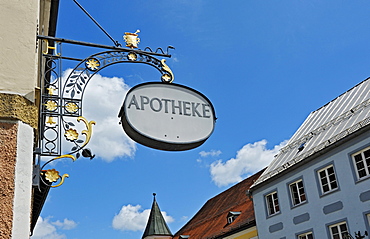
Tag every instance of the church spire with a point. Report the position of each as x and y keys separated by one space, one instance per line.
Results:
x=156 y=225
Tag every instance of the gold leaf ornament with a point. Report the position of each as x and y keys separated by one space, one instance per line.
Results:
x=71 y=107
x=93 y=64
x=51 y=105
x=50 y=90
x=88 y=131
x=52 y=175
x=71 y=134
x=132 y=56
x=61 y=180
x=167 y=77
x=50 y=120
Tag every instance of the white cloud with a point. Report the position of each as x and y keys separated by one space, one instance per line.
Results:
x=102 y=101
x=250 y=159
x=132 y=218
x=212 y=153
x=46 y=229
x=66 y=224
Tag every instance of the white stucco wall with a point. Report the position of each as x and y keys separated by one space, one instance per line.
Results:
x=18 y=58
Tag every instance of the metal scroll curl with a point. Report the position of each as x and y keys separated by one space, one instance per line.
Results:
x=50 y=176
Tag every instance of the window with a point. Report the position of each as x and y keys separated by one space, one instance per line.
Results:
x=297 y=192
x=272 y=203
x=361 y=161
x=327 y=179
x=307 y=235
x=231 y=216
x=338 y=231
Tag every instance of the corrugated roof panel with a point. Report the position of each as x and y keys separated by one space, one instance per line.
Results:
x=330 y=123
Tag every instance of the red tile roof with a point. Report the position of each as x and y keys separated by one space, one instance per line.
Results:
x=211 y=220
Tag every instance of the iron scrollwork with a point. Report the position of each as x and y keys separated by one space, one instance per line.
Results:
x=82 y=73
x=61 y=101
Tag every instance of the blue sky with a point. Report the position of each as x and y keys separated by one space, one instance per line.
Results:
x=265 y=65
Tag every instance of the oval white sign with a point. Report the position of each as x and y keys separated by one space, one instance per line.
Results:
x=167 y=116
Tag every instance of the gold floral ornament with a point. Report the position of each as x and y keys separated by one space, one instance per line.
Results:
x=93 y=64
x=132 y=56
x=71 y=134
x=52 y=175
x=51 y=105
x=71 y=107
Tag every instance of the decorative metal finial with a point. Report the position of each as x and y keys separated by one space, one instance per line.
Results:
x=154 y=194
x=132 y=39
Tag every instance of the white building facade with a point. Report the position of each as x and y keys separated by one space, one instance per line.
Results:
x=21 y=22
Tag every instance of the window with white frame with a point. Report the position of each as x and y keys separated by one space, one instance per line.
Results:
x=328 y=180
x=307 y=235
x=297 y=192
x=361 y=161
x=338 y=231
x=272 y=203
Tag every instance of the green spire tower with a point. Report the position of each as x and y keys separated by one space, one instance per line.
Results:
x=156 y=226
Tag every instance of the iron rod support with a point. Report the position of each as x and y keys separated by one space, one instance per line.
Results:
x=116 y=43
x=81 y=43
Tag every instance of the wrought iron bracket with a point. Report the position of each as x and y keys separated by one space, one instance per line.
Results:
x=61 y=99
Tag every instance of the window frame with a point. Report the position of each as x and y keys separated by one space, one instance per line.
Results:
x=337 y=225
x=363 y=161
x=292 y=199
x=267 y=204
x=366 y=216
x=320 y=184
x=305 y=234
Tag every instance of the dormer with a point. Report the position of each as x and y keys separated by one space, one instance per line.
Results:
x=231 y=216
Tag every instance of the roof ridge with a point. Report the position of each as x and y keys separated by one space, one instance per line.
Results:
x=341 y=94
x=345 y=116
x=210 y=218
x=246 y=206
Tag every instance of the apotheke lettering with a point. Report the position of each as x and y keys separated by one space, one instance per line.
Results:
x=187 y=108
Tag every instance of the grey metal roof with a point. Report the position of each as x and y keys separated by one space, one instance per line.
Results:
x=156 y=225
x=336 y=120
